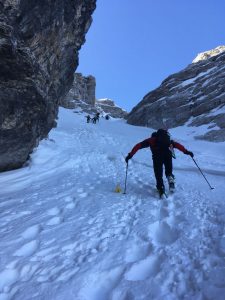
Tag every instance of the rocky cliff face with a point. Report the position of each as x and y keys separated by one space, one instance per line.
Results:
x=83 y=89
x=109 y=107
x=39 y=44
x=82 y=97
x=195 y=96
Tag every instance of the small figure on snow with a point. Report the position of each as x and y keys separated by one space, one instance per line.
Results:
x=88 y=118
x=107 y=117
x=162 y=152
x=97 y=116
x=94 y=120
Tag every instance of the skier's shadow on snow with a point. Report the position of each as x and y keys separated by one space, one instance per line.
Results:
x=141 y=187
x=186 y=169
x=146 y=192
x=141 y=163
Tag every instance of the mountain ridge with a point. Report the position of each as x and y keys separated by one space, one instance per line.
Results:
x=194 y=96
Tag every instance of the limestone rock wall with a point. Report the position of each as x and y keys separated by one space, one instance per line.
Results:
x=82 y=96
x=39 y=44
x=83 y=89
x=110 y=108
x=195 y=96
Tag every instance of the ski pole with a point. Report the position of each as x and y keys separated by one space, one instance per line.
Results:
x=125 y=188
x=203 y=174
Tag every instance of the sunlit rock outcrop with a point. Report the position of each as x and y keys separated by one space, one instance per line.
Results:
x=109 y=107
x=207 y=54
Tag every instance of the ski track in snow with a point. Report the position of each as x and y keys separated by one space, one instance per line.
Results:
x=65 y=234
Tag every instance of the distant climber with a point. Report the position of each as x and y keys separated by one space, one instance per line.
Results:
x=107 y=117
x=97 y=115
x=88 y=118
x=94 y=120
x=162 y=152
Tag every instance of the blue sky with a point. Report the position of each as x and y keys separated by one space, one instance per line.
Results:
x=133 y=45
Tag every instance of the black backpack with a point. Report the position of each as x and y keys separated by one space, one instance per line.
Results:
x=163 y=138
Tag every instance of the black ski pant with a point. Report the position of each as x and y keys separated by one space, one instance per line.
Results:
x=160 y=160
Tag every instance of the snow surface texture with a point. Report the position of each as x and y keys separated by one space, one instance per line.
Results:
x=65 y=233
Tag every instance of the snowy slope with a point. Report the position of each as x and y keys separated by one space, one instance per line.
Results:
x=65 y=233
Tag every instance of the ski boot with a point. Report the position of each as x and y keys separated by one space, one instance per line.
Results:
x=161 y=191
x=171 y=182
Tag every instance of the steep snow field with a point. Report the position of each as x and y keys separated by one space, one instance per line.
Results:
x=65 y=233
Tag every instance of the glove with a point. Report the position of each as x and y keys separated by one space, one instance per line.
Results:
x=127 y=158
x=190 y=153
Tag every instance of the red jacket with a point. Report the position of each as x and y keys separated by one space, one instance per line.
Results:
x=152 y=143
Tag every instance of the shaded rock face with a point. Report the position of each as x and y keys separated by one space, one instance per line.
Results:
x=83 y=89
x=39 y=44
x=195 y=96
x=109 y=107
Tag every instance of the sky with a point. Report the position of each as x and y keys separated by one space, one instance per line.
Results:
x=133 y=45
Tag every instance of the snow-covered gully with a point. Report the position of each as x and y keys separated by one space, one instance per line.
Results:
x=65 y=233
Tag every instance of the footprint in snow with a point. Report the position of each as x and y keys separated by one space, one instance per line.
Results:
x=68 y=199
x=99 y=285
x=163 y=213
x=70 y=202
x=71 y=205
x=7 y=278
x=83 y=195
x=27 y=249
x=176 y=219
x=55 y=221
x=137 y=251
x=144 y=269
x=91 y=221
x=53 y=211
x=31 y=232
x=162 y=233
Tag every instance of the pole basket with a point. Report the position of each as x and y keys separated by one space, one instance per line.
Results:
x=118 y=189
